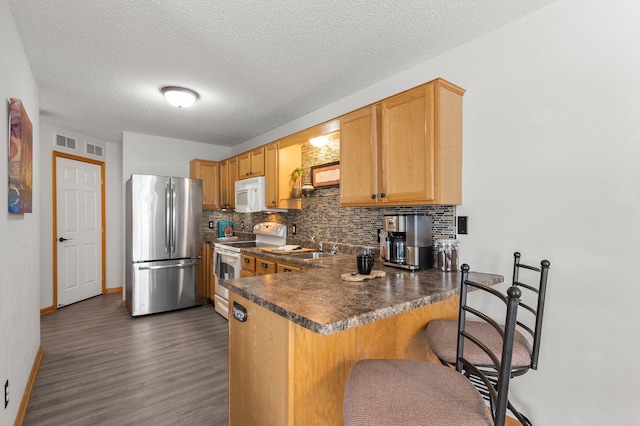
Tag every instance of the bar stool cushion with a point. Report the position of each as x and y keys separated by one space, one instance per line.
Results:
x=405 y=392
x=442 y=337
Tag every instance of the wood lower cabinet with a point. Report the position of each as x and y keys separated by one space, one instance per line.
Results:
x=404 y=150
x=206 y=277
x=252 y=265
x=209 y=173
x=264 y=266
x=283 y=374
x=251 y=163
x=285 y=267
x=248 y=266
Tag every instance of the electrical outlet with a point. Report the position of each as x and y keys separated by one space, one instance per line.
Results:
x=211 y=224
x=293 y=229
x=6 y=394
x=242 y=225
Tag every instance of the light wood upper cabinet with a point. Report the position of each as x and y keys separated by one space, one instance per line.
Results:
x=358 y=157
x=233 y=178
x=407 y=148
x=271 y=175
x=404 y=150
x=251 y=163
x=279 y=162
x=209 y=173
x=224 y=184
x=228 y=178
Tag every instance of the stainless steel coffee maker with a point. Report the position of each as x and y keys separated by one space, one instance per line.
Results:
x=408 y=242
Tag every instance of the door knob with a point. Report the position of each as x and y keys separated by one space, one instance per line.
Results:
x=62 y=240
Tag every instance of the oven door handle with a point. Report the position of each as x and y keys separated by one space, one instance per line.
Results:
x=216 y=261
x=223 y=256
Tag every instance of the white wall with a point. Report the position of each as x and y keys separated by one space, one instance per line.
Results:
x=19 y=279
x=156 y=155
x=551 y=152
x=113 y=205
x=552 y=120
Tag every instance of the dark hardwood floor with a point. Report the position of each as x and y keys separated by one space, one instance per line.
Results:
x=103 y=367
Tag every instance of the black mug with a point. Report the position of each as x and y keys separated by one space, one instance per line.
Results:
x=365 y=263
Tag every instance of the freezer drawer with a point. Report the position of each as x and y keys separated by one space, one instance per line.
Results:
x=162 y=286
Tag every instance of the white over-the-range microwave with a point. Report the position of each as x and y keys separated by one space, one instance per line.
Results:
x=251 y=196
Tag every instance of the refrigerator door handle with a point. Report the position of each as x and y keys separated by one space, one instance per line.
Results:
x=153 y=268
x=167 y=218
x=174 y=229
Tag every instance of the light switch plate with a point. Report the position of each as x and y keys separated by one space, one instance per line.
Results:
x=462 y=224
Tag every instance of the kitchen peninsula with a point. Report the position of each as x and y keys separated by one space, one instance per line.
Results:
x=289 y=360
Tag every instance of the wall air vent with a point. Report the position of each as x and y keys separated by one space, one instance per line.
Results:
x=94 y=149
x=66 y=142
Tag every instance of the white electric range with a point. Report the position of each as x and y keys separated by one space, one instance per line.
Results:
x=227 y=258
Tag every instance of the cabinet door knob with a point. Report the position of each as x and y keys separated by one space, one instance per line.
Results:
x=382 y=195
x=373 y=196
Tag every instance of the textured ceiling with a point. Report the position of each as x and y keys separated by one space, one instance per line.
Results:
x=256 y=64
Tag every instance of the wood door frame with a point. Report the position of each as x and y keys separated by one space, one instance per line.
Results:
x=54 y=158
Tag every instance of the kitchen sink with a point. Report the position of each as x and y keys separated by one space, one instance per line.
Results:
x=314 y=255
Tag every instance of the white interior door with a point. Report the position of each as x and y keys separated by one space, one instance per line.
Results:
x=79 y=230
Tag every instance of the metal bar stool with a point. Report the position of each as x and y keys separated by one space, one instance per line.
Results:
x=407 y=392
x=441 y=334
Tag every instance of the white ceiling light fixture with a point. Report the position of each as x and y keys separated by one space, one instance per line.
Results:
x=319 y=141
x=180 y=97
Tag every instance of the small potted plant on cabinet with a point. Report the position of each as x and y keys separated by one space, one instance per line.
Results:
x=296 y=177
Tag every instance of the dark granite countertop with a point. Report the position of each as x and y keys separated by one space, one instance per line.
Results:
x=319 y=300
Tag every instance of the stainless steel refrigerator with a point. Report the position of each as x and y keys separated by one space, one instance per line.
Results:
x=163 y=232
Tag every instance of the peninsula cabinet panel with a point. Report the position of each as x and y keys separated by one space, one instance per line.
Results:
x=281 y=373
x=404 y=150
x=258 y=367
x=209 y=173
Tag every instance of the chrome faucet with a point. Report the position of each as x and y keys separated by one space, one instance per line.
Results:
x=320 y=246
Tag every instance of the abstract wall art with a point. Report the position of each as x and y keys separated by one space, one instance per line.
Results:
x=20 y=159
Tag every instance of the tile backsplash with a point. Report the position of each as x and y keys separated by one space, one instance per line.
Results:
x=323 y=218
